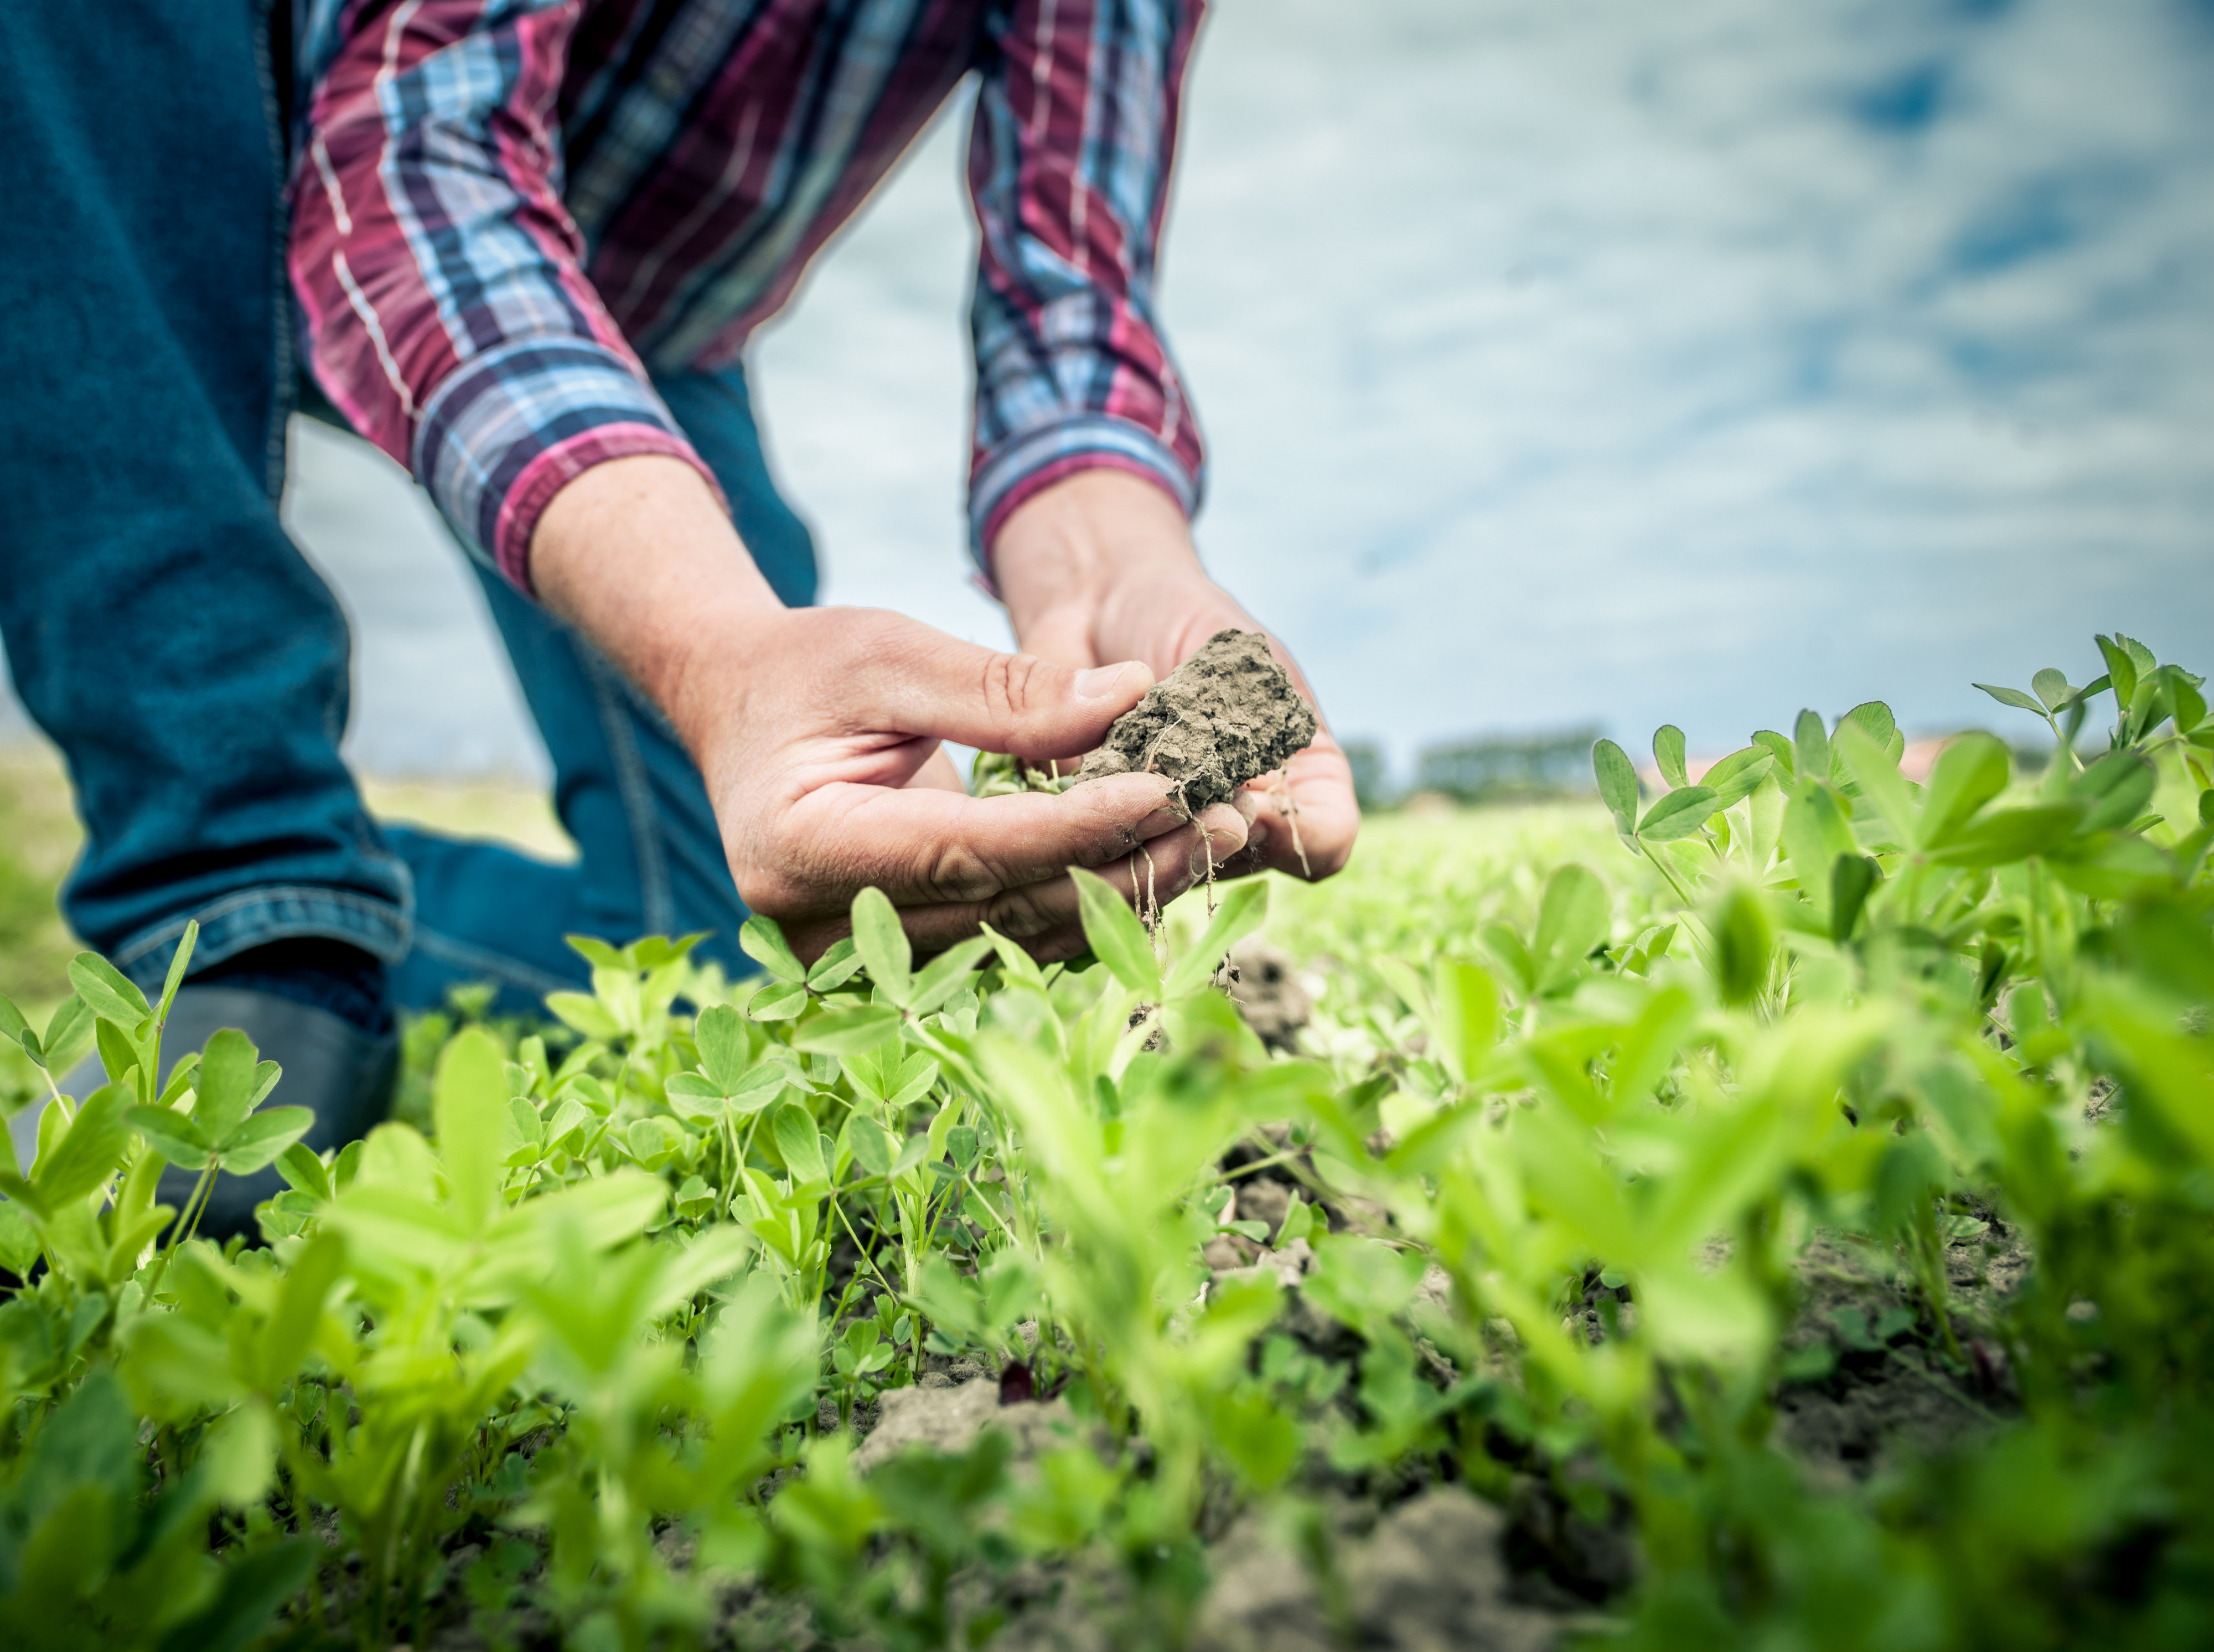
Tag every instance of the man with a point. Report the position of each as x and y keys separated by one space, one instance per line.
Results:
x=529 y=241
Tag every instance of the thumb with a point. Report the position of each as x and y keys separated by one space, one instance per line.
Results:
x=939 y=686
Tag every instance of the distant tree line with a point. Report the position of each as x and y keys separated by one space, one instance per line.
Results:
x=1486 y=768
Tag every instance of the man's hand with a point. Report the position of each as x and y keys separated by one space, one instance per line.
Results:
x=818 y=731
x=1100 y=566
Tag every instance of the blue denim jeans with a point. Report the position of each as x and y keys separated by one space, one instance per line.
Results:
x=166 y=634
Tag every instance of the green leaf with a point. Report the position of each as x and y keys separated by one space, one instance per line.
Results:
x=1466 y=1000
x=258 y=1140
x=2113 y=866
x=176 y=1137
x=1736 y=775
x=1874 y=719
x=2118 y=785
x=2052 y=689
x=1786 y=754
x=599 y=954
x=1617 y=785
x=1743 y=942
x=719 y=1035
x=1261 y=1442
x=1015 y=964
x=302 y=1167
x=871 y=1147
x=1679 y=814
x=91 y=1149
x=2014 y=697
x=1968 y=774
x=285 y=1339
x=1245 y=907
x=763 y=940
x=1668 y=754
x=944 y=975
x=179 y=963
x=108 y=991
x=1501 y=941
x=12 y=1024
x=655 y=950
x=468 y=1107
x=118 y=1051
x=798 y=1142
x=1573 y=916
x=2190 y=705
x=840 y=965
x=1813 y=746
x=847 y=1032
x=586 y=1014
x=247 y=1599
x=2121 y=669
x=2010 y=834
x=66 y=1029
x=1851 y=877
x=1816 y=831
x=19 y=1240
x=1876 y=773
x=226 y=1080
x=780 y=1000
x=883 y=945
x=1118 y=938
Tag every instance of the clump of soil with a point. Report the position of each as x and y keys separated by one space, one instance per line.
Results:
x=949 y=1420
x=1259 y=979
x=1429 y=1577
x=1225 y=716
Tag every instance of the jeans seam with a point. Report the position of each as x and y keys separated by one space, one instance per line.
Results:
x=381 y=914
x=283 y=365
x=656 y=907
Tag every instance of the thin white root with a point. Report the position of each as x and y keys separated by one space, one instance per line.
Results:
x=1150 y=913
x=1281 y=793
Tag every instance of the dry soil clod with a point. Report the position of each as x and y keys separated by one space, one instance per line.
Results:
x=1226 y=715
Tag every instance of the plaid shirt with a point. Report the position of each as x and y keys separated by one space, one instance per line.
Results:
x=507 y=212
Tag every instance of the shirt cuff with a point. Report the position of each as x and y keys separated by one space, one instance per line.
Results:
x=1027 y=464
x=510 y=428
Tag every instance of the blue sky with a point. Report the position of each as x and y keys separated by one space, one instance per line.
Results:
x=1590 y=360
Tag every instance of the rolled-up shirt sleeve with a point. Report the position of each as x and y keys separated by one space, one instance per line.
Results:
x=1070 y=166
x=440 y=277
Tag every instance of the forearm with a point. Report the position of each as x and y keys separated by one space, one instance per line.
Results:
x=638 y=555
x=1089 y=555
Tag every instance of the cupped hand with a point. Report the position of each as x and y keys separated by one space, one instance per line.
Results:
x=820 y=745
x=1099 y=567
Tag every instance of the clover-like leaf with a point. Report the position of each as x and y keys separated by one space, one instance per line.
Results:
x=1118 y=940
x=881 y=941
x=1679 y=814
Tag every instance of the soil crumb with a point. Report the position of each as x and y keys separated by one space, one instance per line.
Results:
x=949 y=1420
x=1260 y=980
x=1428 y=1579
x=1226 y=715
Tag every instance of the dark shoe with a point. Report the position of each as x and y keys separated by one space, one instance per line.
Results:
x=346 y=1075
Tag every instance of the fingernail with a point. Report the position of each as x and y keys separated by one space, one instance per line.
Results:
x=1256 y=837
x=1100 y=681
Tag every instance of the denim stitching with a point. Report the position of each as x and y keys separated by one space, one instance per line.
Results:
x=340 y=915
